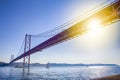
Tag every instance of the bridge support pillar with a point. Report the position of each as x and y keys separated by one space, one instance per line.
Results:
x=26 y=60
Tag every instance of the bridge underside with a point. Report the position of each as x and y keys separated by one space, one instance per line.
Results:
x=106 y=15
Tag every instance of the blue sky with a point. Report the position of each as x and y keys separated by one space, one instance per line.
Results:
x=18 y=17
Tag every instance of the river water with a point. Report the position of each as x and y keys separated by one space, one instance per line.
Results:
x=58 y=73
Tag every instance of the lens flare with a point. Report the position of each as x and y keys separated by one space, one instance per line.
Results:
x=94 y=25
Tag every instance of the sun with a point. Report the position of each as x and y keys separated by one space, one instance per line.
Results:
x=94 y=25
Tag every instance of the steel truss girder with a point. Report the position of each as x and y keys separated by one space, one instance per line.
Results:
x=106 y=15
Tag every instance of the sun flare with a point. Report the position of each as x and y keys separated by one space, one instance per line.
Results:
x=94 y=25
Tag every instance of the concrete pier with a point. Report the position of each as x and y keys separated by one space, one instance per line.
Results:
x=113 y=77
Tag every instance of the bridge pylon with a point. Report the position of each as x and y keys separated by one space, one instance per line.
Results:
x=26 y=60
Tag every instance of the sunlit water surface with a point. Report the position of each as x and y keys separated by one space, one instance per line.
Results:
x=58 y=73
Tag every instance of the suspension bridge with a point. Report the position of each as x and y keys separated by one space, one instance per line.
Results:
x=108 y=14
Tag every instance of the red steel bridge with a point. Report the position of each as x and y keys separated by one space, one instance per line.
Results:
x=107 y=15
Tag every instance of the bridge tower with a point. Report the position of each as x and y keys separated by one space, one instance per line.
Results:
x=12 y=57
x=26 y=60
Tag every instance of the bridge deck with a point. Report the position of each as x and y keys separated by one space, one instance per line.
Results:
x=106 y=15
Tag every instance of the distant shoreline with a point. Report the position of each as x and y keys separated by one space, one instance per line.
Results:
x=56 y=64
